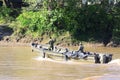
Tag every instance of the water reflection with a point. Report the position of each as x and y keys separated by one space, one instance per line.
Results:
x=19 y=63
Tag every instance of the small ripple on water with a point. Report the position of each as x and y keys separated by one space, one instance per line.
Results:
x=111 y=77
x=5 y=77
x=116 y=61
x=71 y=62
x=39 y=58
x=104 y=77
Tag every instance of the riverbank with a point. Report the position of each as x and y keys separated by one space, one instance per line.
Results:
x=4 y=43
x=7 y=38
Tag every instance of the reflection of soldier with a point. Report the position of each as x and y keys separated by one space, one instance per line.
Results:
x=51 y=43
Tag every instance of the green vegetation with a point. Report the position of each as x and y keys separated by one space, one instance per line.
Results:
x=5 y=15
x=98 y=22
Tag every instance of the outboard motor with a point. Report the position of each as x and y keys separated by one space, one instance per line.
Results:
x=107 y=58
x=97 y=58
x=110 y=57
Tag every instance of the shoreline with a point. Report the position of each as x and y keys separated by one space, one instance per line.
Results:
x=4 y=43
x=25 y=43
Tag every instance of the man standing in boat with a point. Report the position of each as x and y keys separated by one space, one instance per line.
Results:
x=51 y=43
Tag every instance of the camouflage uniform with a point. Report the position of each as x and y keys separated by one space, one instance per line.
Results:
x=51 y=42
x=81 y=48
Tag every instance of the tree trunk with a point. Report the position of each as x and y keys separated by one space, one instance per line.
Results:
x=6 y=3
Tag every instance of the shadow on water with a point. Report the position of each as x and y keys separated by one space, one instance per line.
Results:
x=5 y=31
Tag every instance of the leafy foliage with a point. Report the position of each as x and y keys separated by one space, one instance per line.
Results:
x=5 y=15
x=95 y=22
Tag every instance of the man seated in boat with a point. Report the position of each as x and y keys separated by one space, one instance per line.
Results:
x=81 y=48
x=34 y=43
x=76 y=54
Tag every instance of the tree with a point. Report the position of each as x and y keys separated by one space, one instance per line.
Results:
x=13 y=3
x=98 y=21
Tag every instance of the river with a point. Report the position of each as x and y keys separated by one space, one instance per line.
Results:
x=19 y=63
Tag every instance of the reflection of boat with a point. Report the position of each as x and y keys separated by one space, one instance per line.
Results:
x=61 y=54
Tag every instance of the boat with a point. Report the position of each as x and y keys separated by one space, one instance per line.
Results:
x=60 y=53
x=63 y=54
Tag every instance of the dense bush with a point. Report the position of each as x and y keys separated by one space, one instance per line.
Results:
x=97 y=22
x=5 y=14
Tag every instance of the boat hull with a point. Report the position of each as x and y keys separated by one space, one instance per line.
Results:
x=45 y=53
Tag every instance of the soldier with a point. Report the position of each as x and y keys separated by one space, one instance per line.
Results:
x=81 y=48
x=51 y=43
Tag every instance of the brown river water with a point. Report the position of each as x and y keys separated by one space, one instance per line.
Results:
x=19 y=63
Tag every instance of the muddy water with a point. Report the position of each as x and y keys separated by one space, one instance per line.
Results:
x=19 y=63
